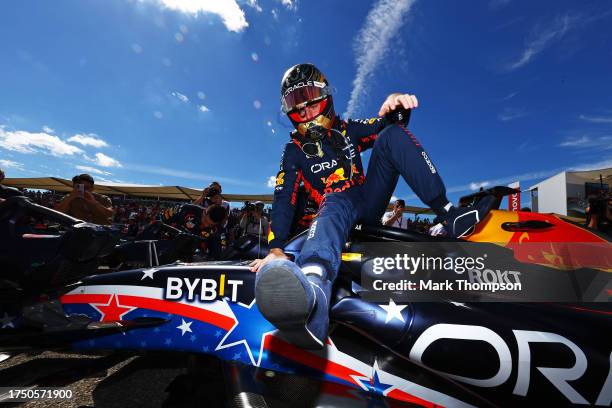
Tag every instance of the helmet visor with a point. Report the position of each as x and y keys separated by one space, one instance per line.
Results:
x=300 y=94
x=308 y=111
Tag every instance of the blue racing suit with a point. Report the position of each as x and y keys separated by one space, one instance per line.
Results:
x=335 y=179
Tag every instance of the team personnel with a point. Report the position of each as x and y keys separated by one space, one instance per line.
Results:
x=396 y=218
x=324 y=154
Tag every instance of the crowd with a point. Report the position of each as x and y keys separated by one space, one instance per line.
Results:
x=209 y=216
x=133 y=215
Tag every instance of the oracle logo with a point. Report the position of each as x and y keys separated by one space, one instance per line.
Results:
x=558 y=377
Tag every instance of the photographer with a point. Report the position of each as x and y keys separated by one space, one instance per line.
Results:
x=212 y=195
x=253 y=222
x=6 y=192
x=84 y=204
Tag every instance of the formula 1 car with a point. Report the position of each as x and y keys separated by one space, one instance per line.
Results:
x=379 y=352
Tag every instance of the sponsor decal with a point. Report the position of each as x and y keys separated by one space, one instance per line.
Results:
x=514 y=200
x=318 y=167
x=280 y=179
x=202 y=289
x=190 y=221
x=302 y=85
x=336 y=177
x=313 y=229
x=429 y=163
x=560 y=377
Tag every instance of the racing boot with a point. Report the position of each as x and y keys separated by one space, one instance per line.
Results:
x=297 y=304
x=460 y=221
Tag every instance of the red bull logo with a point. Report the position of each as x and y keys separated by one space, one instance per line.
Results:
x=336 y=177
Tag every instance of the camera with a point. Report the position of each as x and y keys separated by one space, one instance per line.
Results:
x=248 y=206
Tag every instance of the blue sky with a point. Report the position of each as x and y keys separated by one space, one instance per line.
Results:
x=180 y=92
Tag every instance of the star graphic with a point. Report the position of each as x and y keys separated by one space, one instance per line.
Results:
x=112 y=311
x=374 y=386
x=236 y=356
x=205 y=349
x=7 y=321
x=168 y=342
x=218 y=333
x=393 y=311
x=143 y=344
x=193 y=338
x=148 y=273
x=249 y=330
x=184 y=327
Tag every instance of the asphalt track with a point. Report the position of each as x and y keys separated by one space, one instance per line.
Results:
x=98 y=380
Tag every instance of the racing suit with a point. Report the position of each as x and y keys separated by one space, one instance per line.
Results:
x=336 y=181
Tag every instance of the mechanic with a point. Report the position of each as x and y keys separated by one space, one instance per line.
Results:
x=324 y=154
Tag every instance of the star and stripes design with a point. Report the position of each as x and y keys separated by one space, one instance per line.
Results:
x=234 y=331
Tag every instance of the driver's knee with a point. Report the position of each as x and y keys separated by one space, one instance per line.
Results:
x=397 y=136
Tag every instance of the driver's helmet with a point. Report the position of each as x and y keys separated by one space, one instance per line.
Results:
x=305 y=85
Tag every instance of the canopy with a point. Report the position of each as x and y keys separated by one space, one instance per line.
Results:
x=148 y=191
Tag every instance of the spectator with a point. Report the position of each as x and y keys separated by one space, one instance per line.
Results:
x=253 y=221
x=396 y=218
x=6 y=192
x=84 y=204
x=132 y=228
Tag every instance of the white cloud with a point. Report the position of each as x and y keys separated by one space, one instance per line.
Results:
x=90 y=139
x=586 y=141
x=541 y=174
x=203 y=108
x=105 y=161
x=180 y=96
x=509 y=114
x=271 y=183
x=229 y=11
x=89 y=169
x=541 y=38
x=372 y=44
x=477 y=186
x=596 y=119
x=274 y=14
x=27 y=142
x=164 y=171
x=290 y=4
x=47 y=129
x=9 y=164
x=255 y=5
x=508 y=97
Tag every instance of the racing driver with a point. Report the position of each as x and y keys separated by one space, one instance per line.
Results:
x=324 y=154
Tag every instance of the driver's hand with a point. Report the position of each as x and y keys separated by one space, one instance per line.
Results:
x=397 y=99
x=275 y=253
